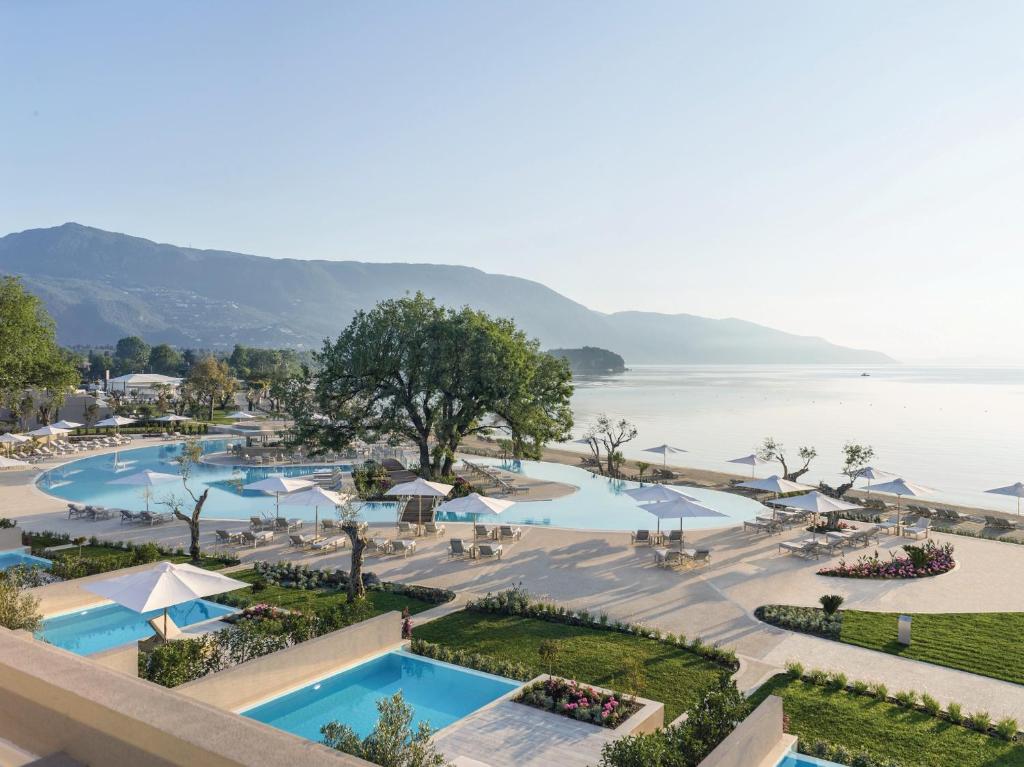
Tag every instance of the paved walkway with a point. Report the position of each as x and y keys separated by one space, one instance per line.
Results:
x=602 y=572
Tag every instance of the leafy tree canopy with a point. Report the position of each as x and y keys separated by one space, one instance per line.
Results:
x=165 y=360
x=131 y=355
x=411 y=369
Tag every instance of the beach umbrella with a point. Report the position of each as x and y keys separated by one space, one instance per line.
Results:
x=475 y=504
x=172 y=418
x=420 y=489
x=870 y=473
x=117 y=421
x=775 y=484
x=681 y=508
x=819 y=503
x=316 y=497
x=749 y=460
x=901 y=487
x=1015 y=490
x=67 y=424
x=656 y=493
x=11 y=440
x=162 y=586
x=240 y=415
x=664 y=451
x=146 y=479
x=278 y=484
x=12 y=463
x=48 y=431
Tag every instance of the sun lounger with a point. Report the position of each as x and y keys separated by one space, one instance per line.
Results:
x=403 y=547
x=407 y=528
x=864 y=535
x=702 y=556
x=167 y=632
x=260 y=523
x=801 y=548
x=507 y=532
x=301 y=540
x=432 y=528
x=458 y=548
x=156 y=517
x=76 y=510
x=918 y=529
x=380 y=545
x=999 y=523
x=282 y=525
x=667 y=557
x=482 y=531
x=100 y=512
x=330 y=544
x=223 y=536
x=642 y=536
x=838 y=540
x=257 y=537
x=886 y=524
x=489 y=550
x=130 y=517
x=756 y=526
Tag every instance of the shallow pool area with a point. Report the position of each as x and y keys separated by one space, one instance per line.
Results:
x=103 y=627
x=438 y=693
x=20 y=558
x=600 y=503
x=802 y=760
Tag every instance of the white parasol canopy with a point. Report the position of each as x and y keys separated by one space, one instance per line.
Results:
x=172 y=418
x=316 y=497
x=680 y=508
x=421 y=487
x=116 y=421
x=146 y=479
x=163 y=586
x=12 y=439
x=664 y=451
x=656 y=493
x=474 y=503
x=277 y=484
x=12 y=463
x=67 y=424
x=1016 y=490
x=819 y=503
x=901 y=487
x=48 y=431
x=775 y=484
x=240 y=415
x=749 y=460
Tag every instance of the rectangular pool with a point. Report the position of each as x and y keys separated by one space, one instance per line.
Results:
x=438 y=693
x=100 y=628
x=16 y=557
x=802 y=760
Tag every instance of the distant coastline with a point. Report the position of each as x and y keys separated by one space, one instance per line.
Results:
x=591 y=360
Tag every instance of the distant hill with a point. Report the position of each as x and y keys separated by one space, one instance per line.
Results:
x=101 y=286
x=591 y=360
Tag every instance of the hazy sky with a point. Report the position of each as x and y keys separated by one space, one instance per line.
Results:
x=853 y=170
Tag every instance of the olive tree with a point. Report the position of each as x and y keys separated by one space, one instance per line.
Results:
x=611 y=434
x=411 y=369
x=191 y=452
x=772 y=450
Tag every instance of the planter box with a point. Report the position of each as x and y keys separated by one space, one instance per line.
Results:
x=649 y=717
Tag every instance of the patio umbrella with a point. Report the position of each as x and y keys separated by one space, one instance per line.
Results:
x=664 y=451
x=1016 y=490
x=146 y=479
x=900 y=487
x=475 y=504
x=749 y=460
x=656 y=493
x=316 y=497
x=775 y=484
x=240 y=415
x=11 y=440
x=681 y=508
x=12 y=463
x=871 y=473
x=117 y=421
x=819 y=503
x=420 y=488
x=172 y=418
x=67 y=424
x=277 y=484
x=48 y=431
x=163 y=586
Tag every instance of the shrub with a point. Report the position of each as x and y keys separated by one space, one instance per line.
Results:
x=1007 y=728
x=906 y=698
x=830 y=603
x=920 y=562
x=808 y=620
x=859 y=687
x=817 y=676
x=955 y=713
x=980 y=721
x=837 y=680
x=485 y=663
x=879 y=690
x=930 y=705
x=18 y=609
x=795 y=669
x=392 y=742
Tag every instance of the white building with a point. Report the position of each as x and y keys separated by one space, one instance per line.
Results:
x=143 y=385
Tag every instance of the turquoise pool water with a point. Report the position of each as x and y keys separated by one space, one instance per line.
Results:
x=15 y=558
x=802 y=760
x=438 y=693
x=600 y=504
x=87 y=480
x=100 y=628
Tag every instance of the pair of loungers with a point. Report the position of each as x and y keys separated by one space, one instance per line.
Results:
x=499 y=533
x=675 y=557
x=459 y=549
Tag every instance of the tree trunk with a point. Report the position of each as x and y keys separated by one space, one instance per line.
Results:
x=211 y=407
x=425 y=458
x=356 y=589
x=795 y=475
x=193 y=526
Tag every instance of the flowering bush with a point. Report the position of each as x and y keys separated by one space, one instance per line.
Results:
x=809 y=620
x=567 y=697
x=918 y=562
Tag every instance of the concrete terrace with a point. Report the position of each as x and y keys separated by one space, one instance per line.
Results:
x=602 y=572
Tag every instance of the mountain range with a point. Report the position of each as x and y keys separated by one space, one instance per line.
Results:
x=101 y=286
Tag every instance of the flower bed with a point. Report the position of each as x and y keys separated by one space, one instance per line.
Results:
x=809 y=620
x=580 y=702
x=919 y=562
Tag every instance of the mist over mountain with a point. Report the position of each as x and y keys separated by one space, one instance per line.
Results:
x=101 y=286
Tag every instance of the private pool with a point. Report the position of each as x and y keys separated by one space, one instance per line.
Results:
x=110 y=625
x=16 y=557
x=439 y=694
x=802 y=760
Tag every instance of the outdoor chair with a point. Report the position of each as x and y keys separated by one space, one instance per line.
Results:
x=99 y=512
x=257 y=537
x=432 y=528
x=223 y=536
x=702 y=556
x=380 y=545
x=489 y=550
x=403 y=547
x=482 y=531
x=407 y=528
x=330 y=544
x=457 y=548
x=675 y=536
x=801 y=548
x=130 y=517
x=756 y=526
x=641 y=536
x=507 y=532
x=667 y=557
x=301 y=540
x=282 y=525
x=886 y=524
x=76 y=510
x=918 y=529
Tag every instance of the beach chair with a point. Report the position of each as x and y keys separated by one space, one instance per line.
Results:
x=887 y=525
x=282 y=525
x=76 y=510
x=432 y=528
x=482 y=531
x=379 y=546
x=458 y=548
x=165 y=628
x=800 y=548
x=324 y=545
x=403 y=547
x=257 y=537
x=301 y=540
x=863 y=535
x=407 y=528
x=507 y=532
x=756 y=525
x=702 y=556
x=641 y=536
x=130 y=517
x=97 y=513
x=489 y=550
x=675 y=536
x=667 y=557
x=918 y=529
x=330 y=525
x=223 y=536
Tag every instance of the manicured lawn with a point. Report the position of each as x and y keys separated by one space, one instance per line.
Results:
x=982 y=643
x=671 y=675
x=299 y=599
x=861 y=723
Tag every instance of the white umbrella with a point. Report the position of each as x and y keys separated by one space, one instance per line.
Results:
x=749 y=460
x=163 y=586
x=12 y=463
x=819 y=503
x=277 y=484
x=147 y=479
x=117 y=421
x=474 y=503
x=48 y=431
x=171 y=418
x=681 y=508
x=67 y=424
x=316 y=497
x=664 y=451
x=775 y=484
x=656 y=493
x=11 y=440
x=871 y=473
x=1015 y=490
x=420 y=488
x=900 y=487
x=240 y=415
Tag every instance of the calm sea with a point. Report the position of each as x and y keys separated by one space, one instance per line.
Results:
x=959 y=430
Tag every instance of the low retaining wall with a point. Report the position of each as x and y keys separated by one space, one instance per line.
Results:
x=757 y=741
x=124 y=659
x=10 y=538
x=260 y=678
x=52 y=701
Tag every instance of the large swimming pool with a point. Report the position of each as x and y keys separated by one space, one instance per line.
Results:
x=87 y=480
x=437 y=692
x=110 y=625
x=600 y=503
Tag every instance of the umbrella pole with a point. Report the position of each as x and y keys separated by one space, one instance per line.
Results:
x=316 y=521
x=165 y=625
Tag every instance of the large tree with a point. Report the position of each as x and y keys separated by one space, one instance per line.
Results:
x=131 y=355
x=191 y=453
x=773 y=450
x=613 y=435
x=165 y=360
x=29 y=355
x=414 y=370
x=210 y=382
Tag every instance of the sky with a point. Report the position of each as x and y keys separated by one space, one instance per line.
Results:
x=849 y=170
